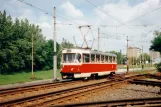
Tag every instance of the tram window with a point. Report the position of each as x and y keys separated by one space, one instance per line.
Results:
x=97 y=58
x=106 y=58
x=110 y=59
x=113 y=59
x=102 y=58
x=78 y=56
x=92 y=57
x=69 y=57
x=86 y=58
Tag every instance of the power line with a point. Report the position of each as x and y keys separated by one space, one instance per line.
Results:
x=65 y=24
x=108 y=14
x=144 y=25
x=46 y=12
x=104 y=12
x=143 y=15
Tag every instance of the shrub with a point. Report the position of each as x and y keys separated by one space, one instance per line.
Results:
x=158 y=66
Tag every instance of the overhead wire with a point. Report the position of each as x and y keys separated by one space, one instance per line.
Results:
x=46 y=12
x=103 y=11
x=143 y=15
x=127 y=21
x=107 y=14
x=50 y=14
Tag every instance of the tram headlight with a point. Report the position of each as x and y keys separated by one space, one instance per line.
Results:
x=72 y=69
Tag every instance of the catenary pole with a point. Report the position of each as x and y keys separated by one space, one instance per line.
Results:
x=142 y=59
x=127 y=56
x=54 y=54
x=98 y=38
x=32 y=57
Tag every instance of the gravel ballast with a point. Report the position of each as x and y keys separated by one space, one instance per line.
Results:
x=127 y=91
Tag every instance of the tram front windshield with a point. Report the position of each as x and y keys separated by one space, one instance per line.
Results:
x=71 y=58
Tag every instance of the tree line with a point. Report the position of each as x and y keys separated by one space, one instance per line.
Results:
x=16 y=46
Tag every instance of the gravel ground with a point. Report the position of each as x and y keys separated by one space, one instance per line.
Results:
x=46 y=90
x=125 y=92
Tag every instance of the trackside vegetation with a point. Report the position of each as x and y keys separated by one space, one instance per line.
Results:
x=15 y=46
x=26 y=77
x=156 y=46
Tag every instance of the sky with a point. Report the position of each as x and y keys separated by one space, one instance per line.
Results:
x=116 y=19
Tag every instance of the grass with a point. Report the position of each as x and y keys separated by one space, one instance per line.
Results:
x=26 y=77
x=134 y=66
x=145 y=71
x=39 y=75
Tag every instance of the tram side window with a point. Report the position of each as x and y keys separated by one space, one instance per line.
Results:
x=97 y=58
x=92 y=58
x=106 y=59
x=86 y=58
x=78 y=57
x=114 y=59
x=102 y=58
x=68 y=57
x=110 y=59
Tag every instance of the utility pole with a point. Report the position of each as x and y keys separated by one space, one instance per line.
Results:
x=151 y=59
x=32 y=57
x=136 y=61
x=75 y=41
x=54 y=46
x=98 y=38
x=142 y=59
x=120 y=57
x=127 y=56
x=133 y=63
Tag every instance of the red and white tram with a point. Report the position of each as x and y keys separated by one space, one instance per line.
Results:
x=84 y=63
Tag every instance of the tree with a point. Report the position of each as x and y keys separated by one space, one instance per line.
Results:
x=146 y=57
x=66 y=44
x=120 y=57
x=156 y=42
x=156 y=46
x=49 y=56
x=15 y=46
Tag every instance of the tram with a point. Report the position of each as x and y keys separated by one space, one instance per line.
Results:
x=84 y=63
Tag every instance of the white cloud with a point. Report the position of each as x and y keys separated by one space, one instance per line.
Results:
x=71 y=11
x=124 y=12
x=121 y=10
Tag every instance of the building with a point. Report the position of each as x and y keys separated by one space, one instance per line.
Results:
x=134 y=52
x=154 y=55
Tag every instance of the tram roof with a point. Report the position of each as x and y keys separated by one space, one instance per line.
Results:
x=83 y=50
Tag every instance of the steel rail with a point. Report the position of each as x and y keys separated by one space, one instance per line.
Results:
x=45 y=98
x=156 y=101
x=21 y=90
x=146 y=82
x=27 y=86
x=153 y=76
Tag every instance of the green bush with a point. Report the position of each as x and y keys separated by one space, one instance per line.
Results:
x=158 y=66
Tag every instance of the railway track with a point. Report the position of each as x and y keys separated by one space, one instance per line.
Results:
x=141 y=102
x=66 y=95
x=20 y=91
